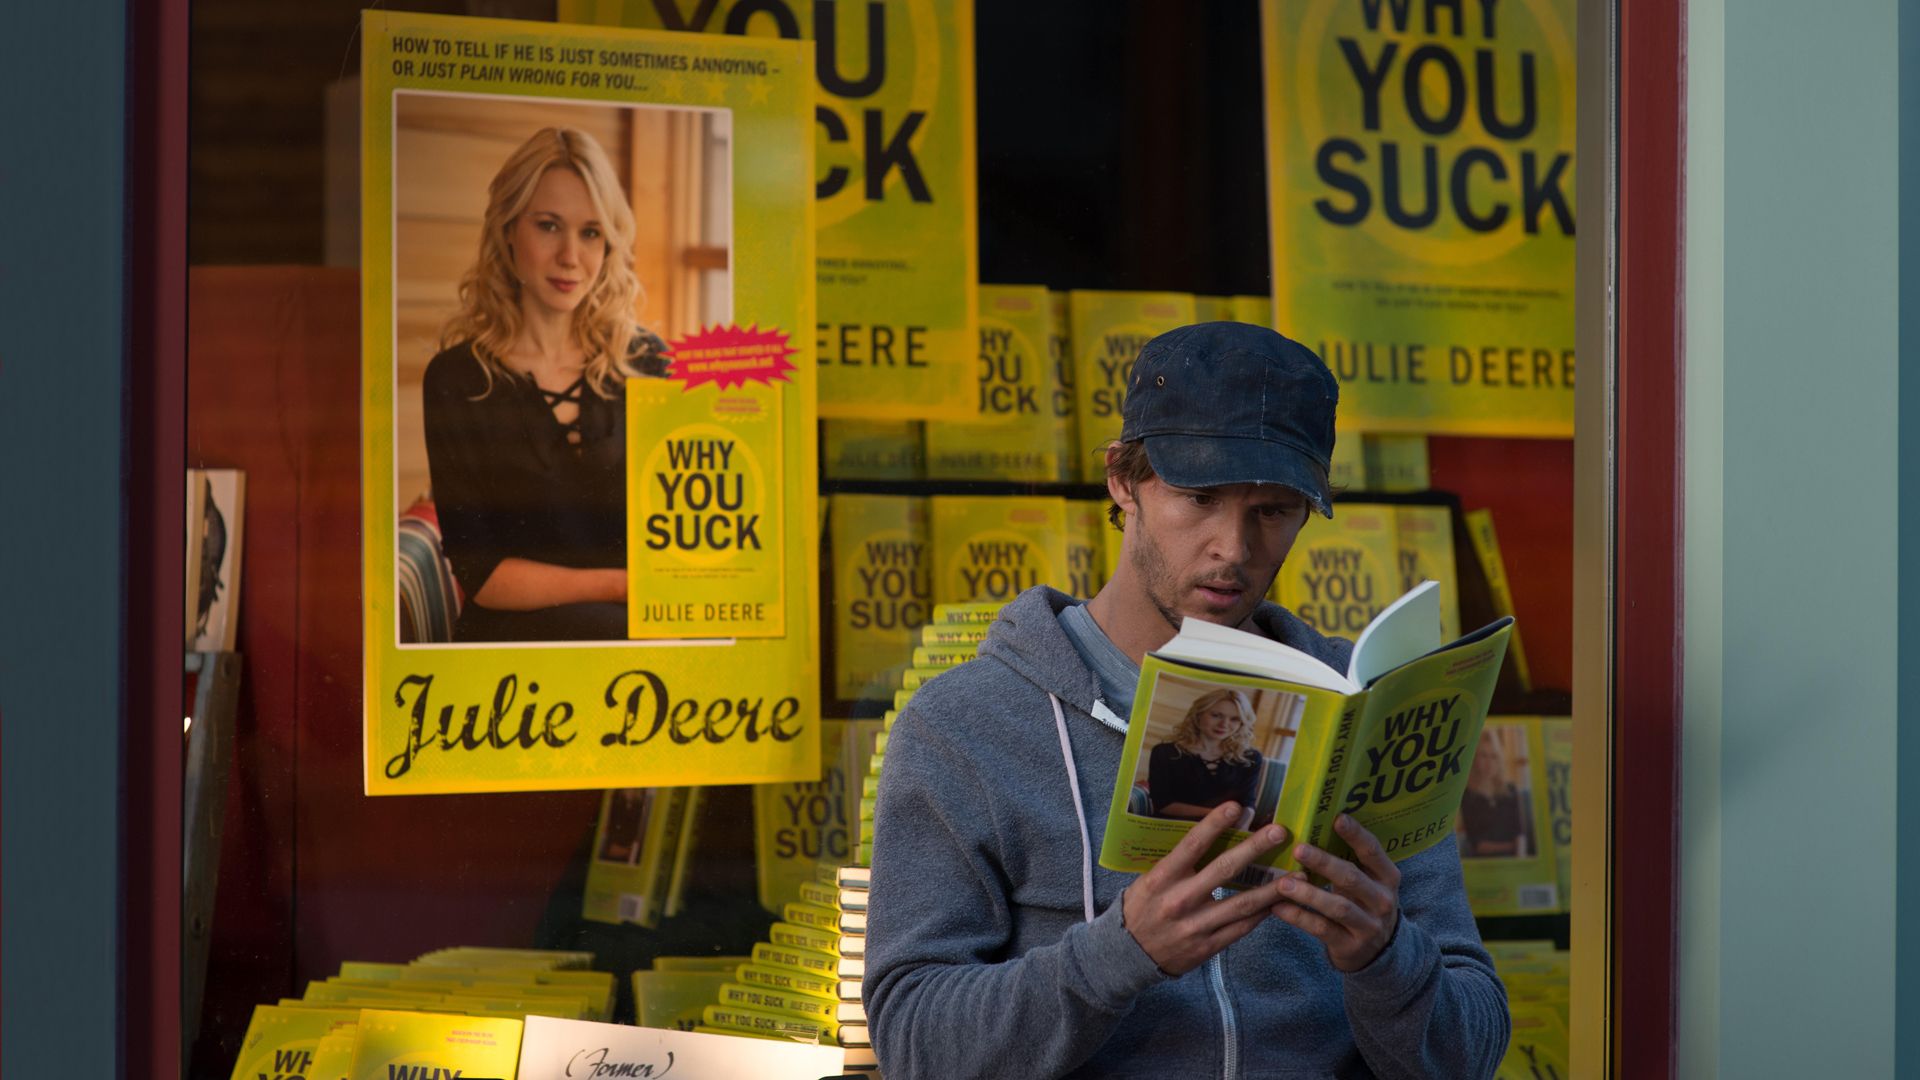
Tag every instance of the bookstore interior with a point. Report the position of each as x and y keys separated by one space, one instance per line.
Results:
x=553 y=746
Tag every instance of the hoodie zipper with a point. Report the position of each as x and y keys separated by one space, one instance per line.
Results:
x=1217 y=979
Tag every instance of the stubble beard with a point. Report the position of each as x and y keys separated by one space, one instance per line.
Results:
x=1157 y=579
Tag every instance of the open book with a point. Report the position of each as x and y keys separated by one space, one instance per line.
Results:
x=1222 y=715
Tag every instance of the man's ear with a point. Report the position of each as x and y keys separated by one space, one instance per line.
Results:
x=1117 y=488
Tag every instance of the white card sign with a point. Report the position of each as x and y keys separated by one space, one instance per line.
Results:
x=581 y=1050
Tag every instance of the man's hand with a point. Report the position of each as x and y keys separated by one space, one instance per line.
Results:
x=1170 y=909
x=1355 y=916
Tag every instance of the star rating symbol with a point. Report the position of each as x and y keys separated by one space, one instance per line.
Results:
x=673 y=86
x=716 y=89
x=757 y=92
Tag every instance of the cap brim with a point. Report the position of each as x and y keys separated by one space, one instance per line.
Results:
x=1204 y=461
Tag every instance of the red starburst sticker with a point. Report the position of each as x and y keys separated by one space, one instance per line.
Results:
x=729 y=356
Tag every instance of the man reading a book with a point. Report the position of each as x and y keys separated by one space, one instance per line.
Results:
x=997 y=946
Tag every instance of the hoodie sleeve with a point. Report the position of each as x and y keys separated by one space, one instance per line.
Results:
x=1430 y=1004
x=939 y=992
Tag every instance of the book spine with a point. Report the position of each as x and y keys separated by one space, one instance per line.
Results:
x=788 y=980
x=1314 y=823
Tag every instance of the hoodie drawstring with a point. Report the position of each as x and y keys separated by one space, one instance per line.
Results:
x=1079 y=811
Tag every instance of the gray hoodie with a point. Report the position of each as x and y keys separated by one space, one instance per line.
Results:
x=995 y=943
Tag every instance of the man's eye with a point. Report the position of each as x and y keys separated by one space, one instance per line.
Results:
x=1200 y=498
x=1278 y=513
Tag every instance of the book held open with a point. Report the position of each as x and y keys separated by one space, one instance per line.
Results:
x=1225 y=715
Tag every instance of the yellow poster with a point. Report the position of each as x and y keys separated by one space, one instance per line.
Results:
x=995 y=547
x=894 y=178
x=882 y=590
x=588 y=376
x=1421 y=197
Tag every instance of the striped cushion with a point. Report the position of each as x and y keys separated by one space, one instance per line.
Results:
x=429 y=597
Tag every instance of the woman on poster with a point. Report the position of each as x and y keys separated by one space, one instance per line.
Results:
x=1493 y=812
x=1209 y=760
x=524 y=407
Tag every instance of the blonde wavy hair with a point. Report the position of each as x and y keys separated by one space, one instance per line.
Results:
x=603 y=325
x=1235 y=747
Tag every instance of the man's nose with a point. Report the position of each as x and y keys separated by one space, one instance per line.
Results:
x=1231 y=539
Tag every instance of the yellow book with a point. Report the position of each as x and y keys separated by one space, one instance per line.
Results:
x=818 y=916
x=749 y=996
x=791 y=935
x=697 y=963
x=1388 y=741
x=1213 y=309
x=1348 y=469
x=634 y=848
x=874 y=449
x=1426 y=554
x=762 y=1022
x=1012 y=435
x=597 y=985
x=982 y=613
x=1557 y=732
x=883 y=588
x=914 y=678
x=1538 y=1047
x=1108 y=330
x=942 y=657
x=1066 y=425
x=706 y=523
x=1396 y=462
x=1257 y=310
x=674 y=999
x=815 y=961
x=394 y=1044
x=818 y=892
x=281 y=1041
x=1504 y=828
x=1344 y=572
x=894 y=185
x=679 y=874
x=799 y=825
x=989 y=547
x=1486 y=550
x=788 y=980
x=935 y=635
x=470 y=955
x=1509 y=951
x=333 y=1055
x=1086 y=555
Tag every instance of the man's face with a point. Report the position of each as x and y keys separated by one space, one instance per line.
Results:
x=1210 y=553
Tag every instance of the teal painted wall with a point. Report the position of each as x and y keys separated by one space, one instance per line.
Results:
x=1789 y=913
x=62 y=358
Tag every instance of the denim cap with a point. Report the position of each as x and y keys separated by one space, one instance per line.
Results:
x=1222 y=403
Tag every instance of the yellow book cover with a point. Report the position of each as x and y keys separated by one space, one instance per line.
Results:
x=281 y=1041
x=874 y=449
x=818 y=916
x=1486 y=550
x=332 y=1056
x=560 y=696
x=1066 y=425
x=1557 y=732
x=1538 y=1048
x=1388 y=741
x=597 y=985
x=1012 y=434
x=395 y=1045
x=1504 y=826
x=788 y=980
x=638 y=831
x=1086 y=547
x=990 y=547
x=1348 y=469
x=894 y=182
x=1257 y=310
x=793 y=935
x=1397 y=462
x=674 y=999
x=1213 y=309
x=706 y=536
x=697 y=963
x=820 y=892
x=1343 y=572
x=1426 y=554
x=883 y=589
x=1421 y=210
x=799 y=825
x=1108 y=330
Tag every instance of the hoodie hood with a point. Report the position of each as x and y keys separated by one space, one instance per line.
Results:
x=1027 y=638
